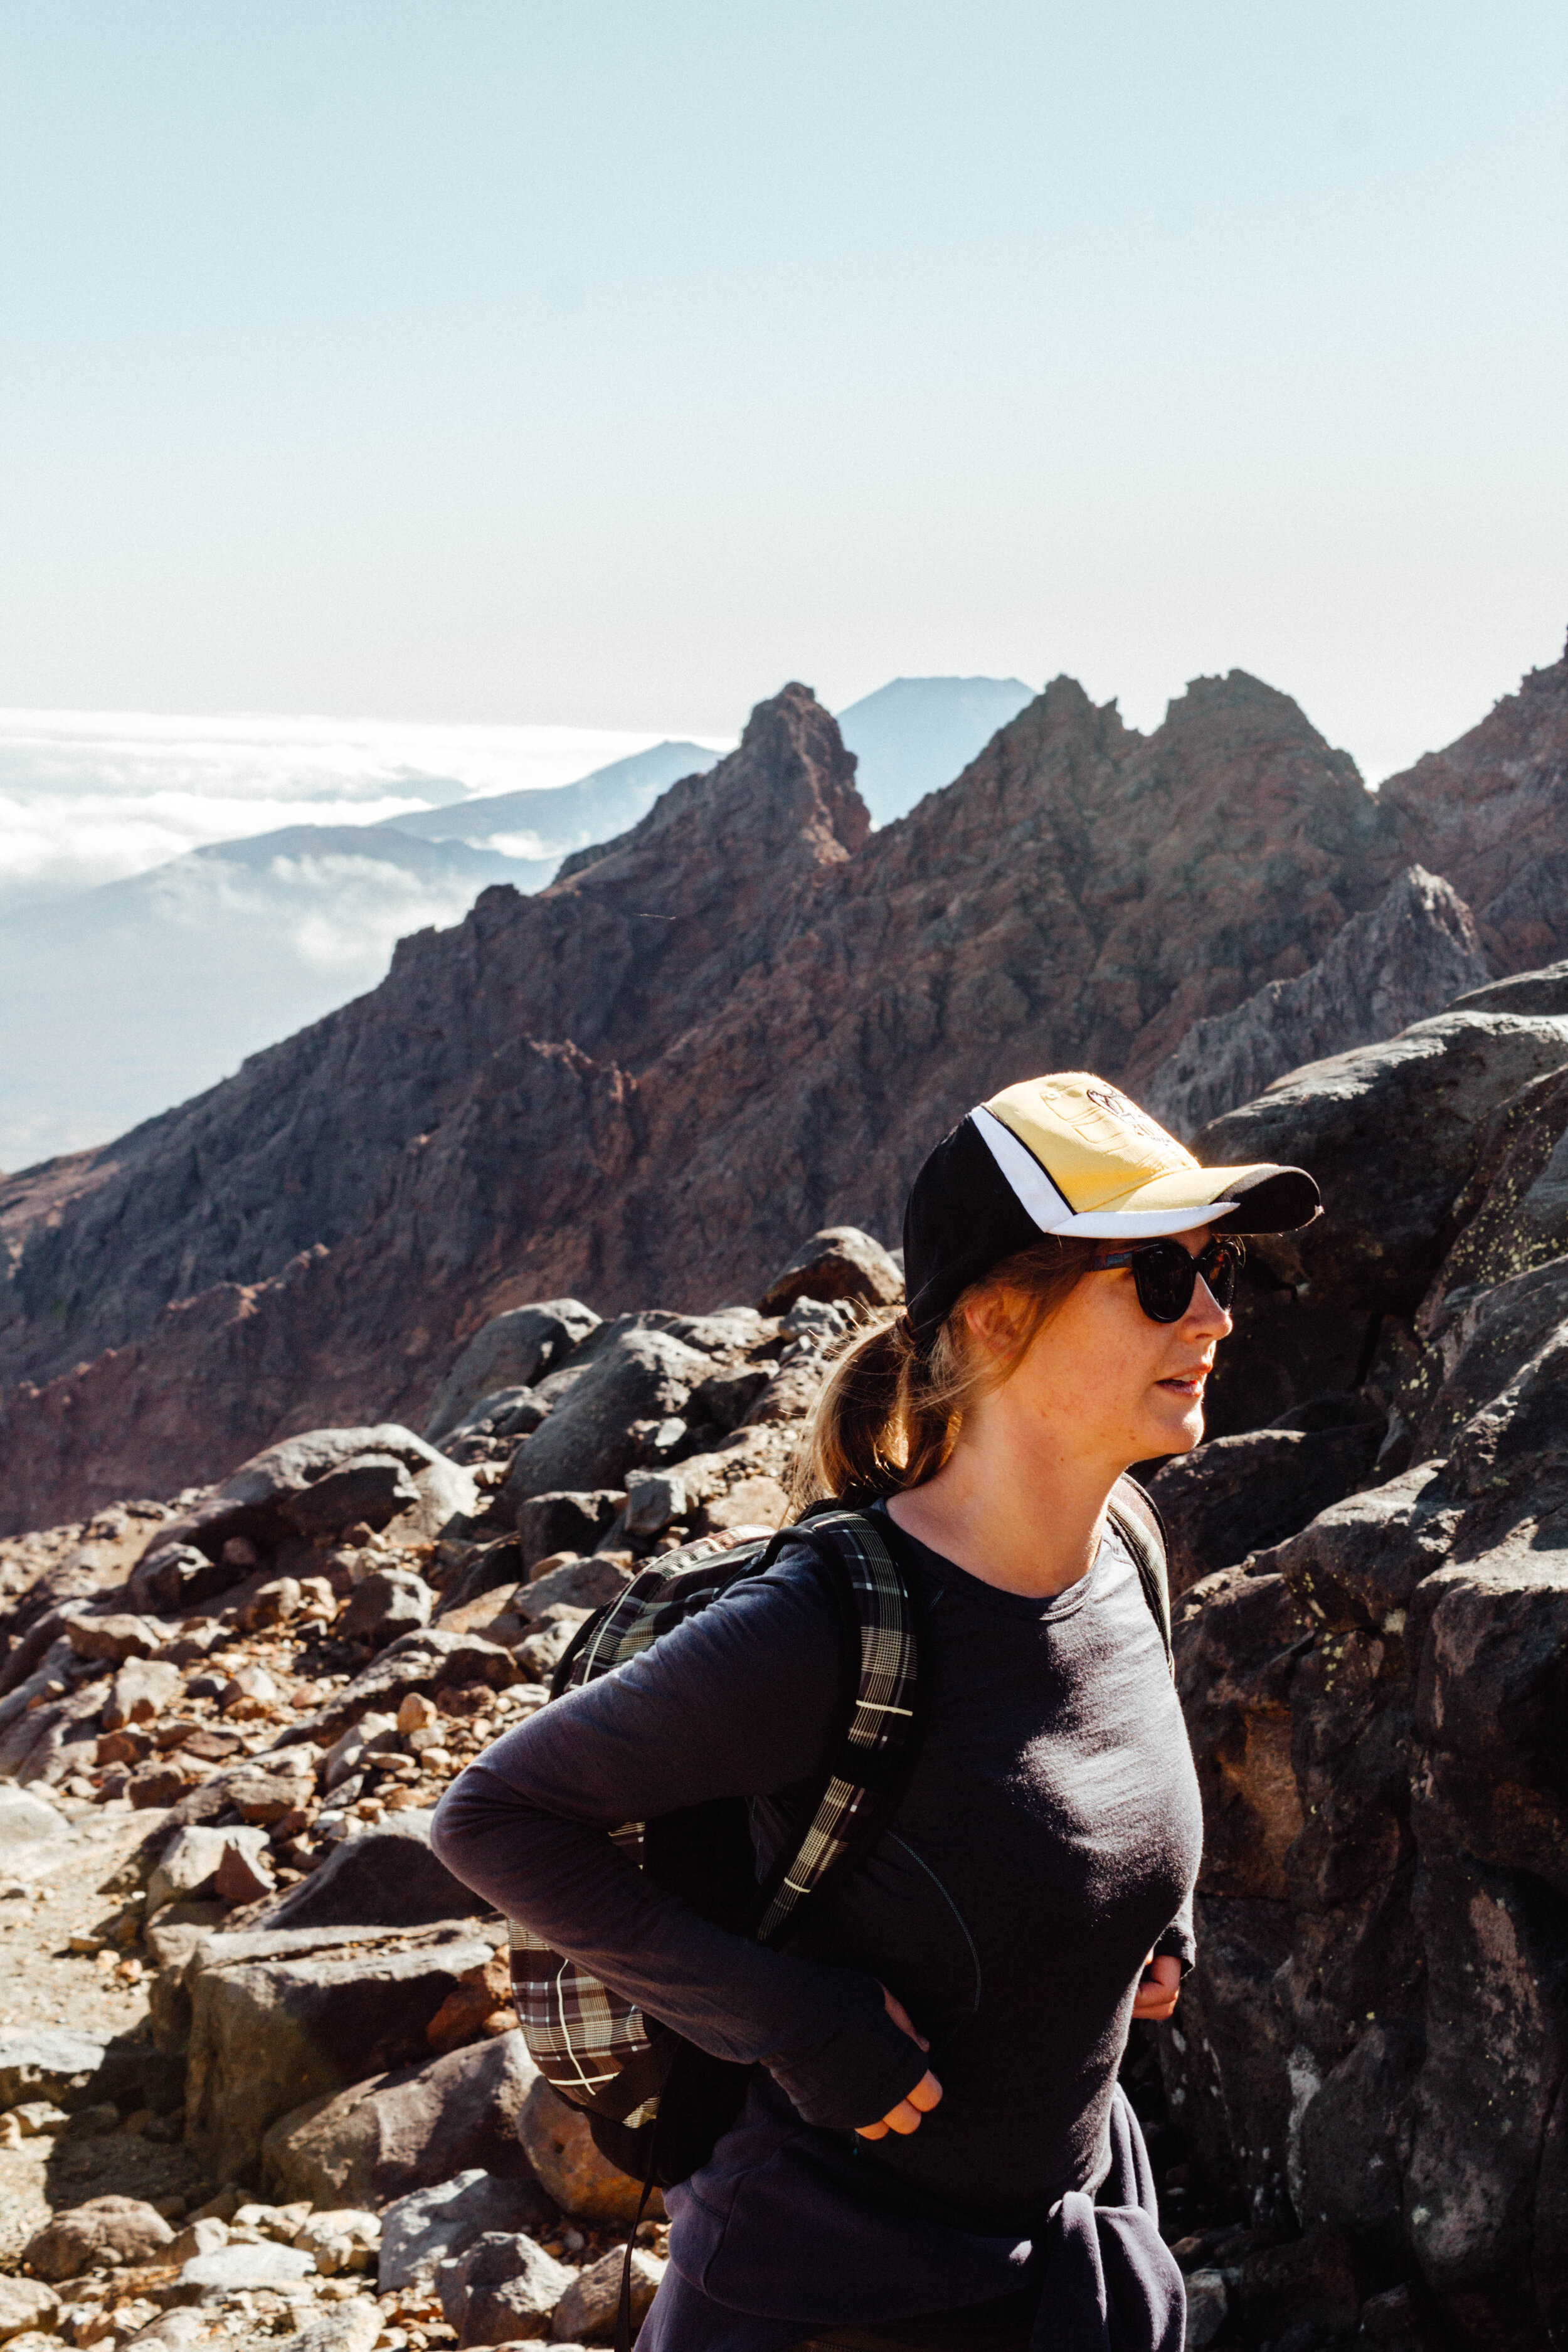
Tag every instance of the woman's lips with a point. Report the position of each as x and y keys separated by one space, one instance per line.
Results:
x=1187 y=1383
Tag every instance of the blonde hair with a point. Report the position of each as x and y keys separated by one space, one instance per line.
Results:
x=890 y=1413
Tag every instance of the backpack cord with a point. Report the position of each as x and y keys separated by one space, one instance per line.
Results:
x=623 y=2309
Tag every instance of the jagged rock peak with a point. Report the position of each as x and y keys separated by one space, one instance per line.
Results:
x=786 y=794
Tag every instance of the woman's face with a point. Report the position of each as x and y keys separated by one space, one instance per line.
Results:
x=1126 y=1387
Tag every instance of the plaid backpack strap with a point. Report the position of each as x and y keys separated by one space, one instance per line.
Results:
x=867 y=1777
x=1135 y=1515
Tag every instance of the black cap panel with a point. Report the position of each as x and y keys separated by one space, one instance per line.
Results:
x=961 y=1219
x=1274 y=1201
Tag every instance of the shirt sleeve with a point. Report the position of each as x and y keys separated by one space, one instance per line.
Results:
x=743 y=1699
x=1178 y=1942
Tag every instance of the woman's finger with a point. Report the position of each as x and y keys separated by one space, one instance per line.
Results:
x=905 y=2116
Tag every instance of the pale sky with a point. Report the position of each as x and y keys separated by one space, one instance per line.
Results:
x=602 y=366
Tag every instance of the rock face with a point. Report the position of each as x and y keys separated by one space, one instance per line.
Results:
x=1407 y=957
x=1373 y=2046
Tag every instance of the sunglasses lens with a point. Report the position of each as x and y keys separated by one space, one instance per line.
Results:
x=1167 y=1277
x=1219 y=1266
x=1164 y=1277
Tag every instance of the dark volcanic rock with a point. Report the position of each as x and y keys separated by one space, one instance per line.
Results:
x=513 y=1350
x=1390 y=1131
x=547 y=1524
x=1406 y=958
x=321 y=1483
x=1373 y=2041
x=1238 y=1493
x=385 y=1877
x=837 y=1262
x=410 y=2129
x=588 y=1441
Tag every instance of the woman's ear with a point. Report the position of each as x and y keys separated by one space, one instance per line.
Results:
x=995 y=1320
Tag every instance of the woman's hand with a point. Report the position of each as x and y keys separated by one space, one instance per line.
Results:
x=906 y=2115
x=1159 y=1988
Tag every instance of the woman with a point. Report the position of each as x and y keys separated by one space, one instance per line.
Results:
x=933 y=2151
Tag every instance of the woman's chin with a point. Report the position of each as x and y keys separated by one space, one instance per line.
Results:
x=1179 y=1428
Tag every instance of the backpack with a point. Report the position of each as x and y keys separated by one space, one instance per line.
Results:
x=657 y=2105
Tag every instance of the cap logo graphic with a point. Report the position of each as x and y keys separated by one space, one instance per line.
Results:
x=1114 y=1124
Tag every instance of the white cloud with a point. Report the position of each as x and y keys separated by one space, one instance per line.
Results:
x=92 y=796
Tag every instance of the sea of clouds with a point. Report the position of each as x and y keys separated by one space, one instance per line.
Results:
x=92 y=796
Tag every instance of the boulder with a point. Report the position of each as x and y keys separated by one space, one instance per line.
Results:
x=560 y=2147
x=350 y=2326
x=387 y=1603
x=275 y=2023
x=178 y=1576
x=511 y=1350
x=654 y=1499
x=1545 y=991
x=551 y=1635
x=839 y=1261
x=638 y=1375
x=414 y=2129
x=436 y=2224
x=322 y=1482
x=748 y=1506
x=370 y=1735
x=385 y=1877
x=241 y=2269
x=144 y=1689
x=588 y=2309
x=46 y=2062
x=548 y=1523
x=26 y=1819
x=576 y=1584
x=187 y=1868
x=244 y=1874
x=505 y=1413
x=482 y=2003
x=72 y=2241
x=25 y=2303
x=503 y=2290
x=112 y=1638
x=343 y=2238
x=1236 y=1494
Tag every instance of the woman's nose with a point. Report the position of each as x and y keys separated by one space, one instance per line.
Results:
x=1207 y=1313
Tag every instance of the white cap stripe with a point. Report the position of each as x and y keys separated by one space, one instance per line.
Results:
x=1033 y=1189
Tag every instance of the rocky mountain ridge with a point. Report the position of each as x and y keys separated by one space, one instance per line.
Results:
x=739 y=1019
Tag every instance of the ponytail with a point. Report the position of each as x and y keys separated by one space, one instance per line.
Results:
x=890 y=1413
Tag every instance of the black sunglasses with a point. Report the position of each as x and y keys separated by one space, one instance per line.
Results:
x=1166 y=1275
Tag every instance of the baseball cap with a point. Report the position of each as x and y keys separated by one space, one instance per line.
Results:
x=1068 y=1153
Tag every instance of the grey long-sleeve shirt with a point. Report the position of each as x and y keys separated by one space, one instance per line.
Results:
x=1049 y=1837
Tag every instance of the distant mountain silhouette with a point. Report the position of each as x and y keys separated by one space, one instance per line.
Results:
x=563 y=818
x=914 y=736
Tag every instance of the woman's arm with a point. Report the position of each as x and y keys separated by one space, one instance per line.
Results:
x=743 y=1699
